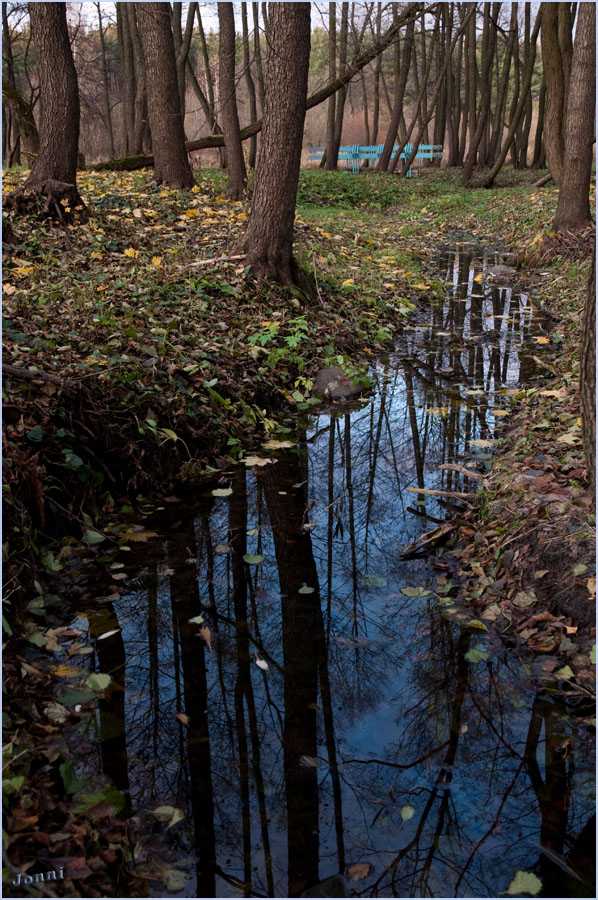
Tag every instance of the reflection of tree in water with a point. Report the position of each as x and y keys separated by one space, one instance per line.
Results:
x=368 y=705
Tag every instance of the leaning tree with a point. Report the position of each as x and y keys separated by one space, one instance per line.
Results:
x=54 y=172
x=269 y=239
x=171 y=162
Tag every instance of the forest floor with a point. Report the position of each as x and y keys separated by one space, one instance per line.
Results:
x=161 y=362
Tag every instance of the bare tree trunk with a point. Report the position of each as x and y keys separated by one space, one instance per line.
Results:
x=398 y=99
x=105 y=82
x=501 y=93
x=257 y=52
x=539 y=157
x=331 y=160
x=484 y=83
x=377 y=75
x=587 y=383
x=27 y=133
x=472 y=74
x=13 y=119
x=573 y=212
x=517 y=113
x=342 y=94
x=171 y=163
x=250 y=85
x=182 y=46
x=269 y=239
x=128 y=78
x=140 y=102
x=237 y=174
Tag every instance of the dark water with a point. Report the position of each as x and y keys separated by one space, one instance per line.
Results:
x=331 y=719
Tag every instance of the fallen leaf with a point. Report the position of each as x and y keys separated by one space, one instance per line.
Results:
x=182 y=718
x=261 y=663
x=253 y=559
x=206 y=635
x=359 y=870
x=524 y=883
x=407 y=812
x=222 y=492
x=258 y=461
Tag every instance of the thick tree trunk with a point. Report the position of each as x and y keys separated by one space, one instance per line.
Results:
x=128 y=79
x=484 y=110
x=237 y=174
x=556 y=53
x=587 y=383
x=269 y=238
x=573 y=212
x=171 y=163
x=54 y=172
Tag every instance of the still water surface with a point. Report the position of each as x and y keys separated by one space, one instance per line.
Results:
x=330 y=723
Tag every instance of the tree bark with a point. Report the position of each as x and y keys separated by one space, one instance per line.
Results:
x=257 y=52
x=128 y=79
x=573 y=212
x=587 y=381
x=330 y=161
x=502 y=87
x=518 y=112
x=27 y=129
x=59 y=120
x=105 y=82
x=398 y=99
x=539 y=158
x=250 y=85
x=237 y=174
x=342 y=94
x=484 y=83
x=269 y=239
x=556 y=52
x=171 y=163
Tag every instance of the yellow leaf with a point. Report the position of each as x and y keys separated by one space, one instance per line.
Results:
x=542 y=340
x=191 y=212
x=499 y=412
x=242 y=216
x=95 y=255
x=22 y=271
x=156 y=261
x=347 y=282
x=195 y=189
x=206 y=635
x=133 y=254
x=479 y=277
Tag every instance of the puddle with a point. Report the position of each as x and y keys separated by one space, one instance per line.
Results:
x=330 y=712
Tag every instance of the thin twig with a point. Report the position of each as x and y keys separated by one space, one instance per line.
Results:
x=213 y=261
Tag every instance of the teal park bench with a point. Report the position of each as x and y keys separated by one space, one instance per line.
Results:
x=354 y=154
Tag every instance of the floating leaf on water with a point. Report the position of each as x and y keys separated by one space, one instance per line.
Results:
x=72 y=782
x=252 y=532
x=169 y=814
x=108 y=634
x=499 y=412
x=305 y=590
x=37 y=638
x=73 y=697
x=415 y=592
x=310 y=761
x=99 y=681
x=258 y=461
x=206 y=635
x=438 y=411
x=222 y=548
x=182 y=718
x=273 y=444
x=476 y=655
x=475 y=623
x=174 y=880
x=56 y=713
x=197 y=620
x=373 y=581
x=253 y=559
x=474 y=392
x=262 y=663
x=480 y=442
x=524 y=883
x=109 y=794
x=359 y=870
x=222 y=492
x=407 y=812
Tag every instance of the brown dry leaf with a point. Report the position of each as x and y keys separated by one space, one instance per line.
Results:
x=571 y=629
x=359 y=870
x=206 y=635
x=591 y=585
x=182 y=718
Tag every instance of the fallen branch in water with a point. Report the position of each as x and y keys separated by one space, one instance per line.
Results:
x=455 y=467
x=429 y=539
x=459 y=495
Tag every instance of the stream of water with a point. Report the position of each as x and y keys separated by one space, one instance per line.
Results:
x=320 y=721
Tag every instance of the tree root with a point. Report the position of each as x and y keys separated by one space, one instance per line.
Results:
x=61 y=201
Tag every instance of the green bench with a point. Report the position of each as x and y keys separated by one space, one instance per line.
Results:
x=354 y=155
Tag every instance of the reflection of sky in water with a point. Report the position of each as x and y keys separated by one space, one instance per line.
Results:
x=397 y=717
